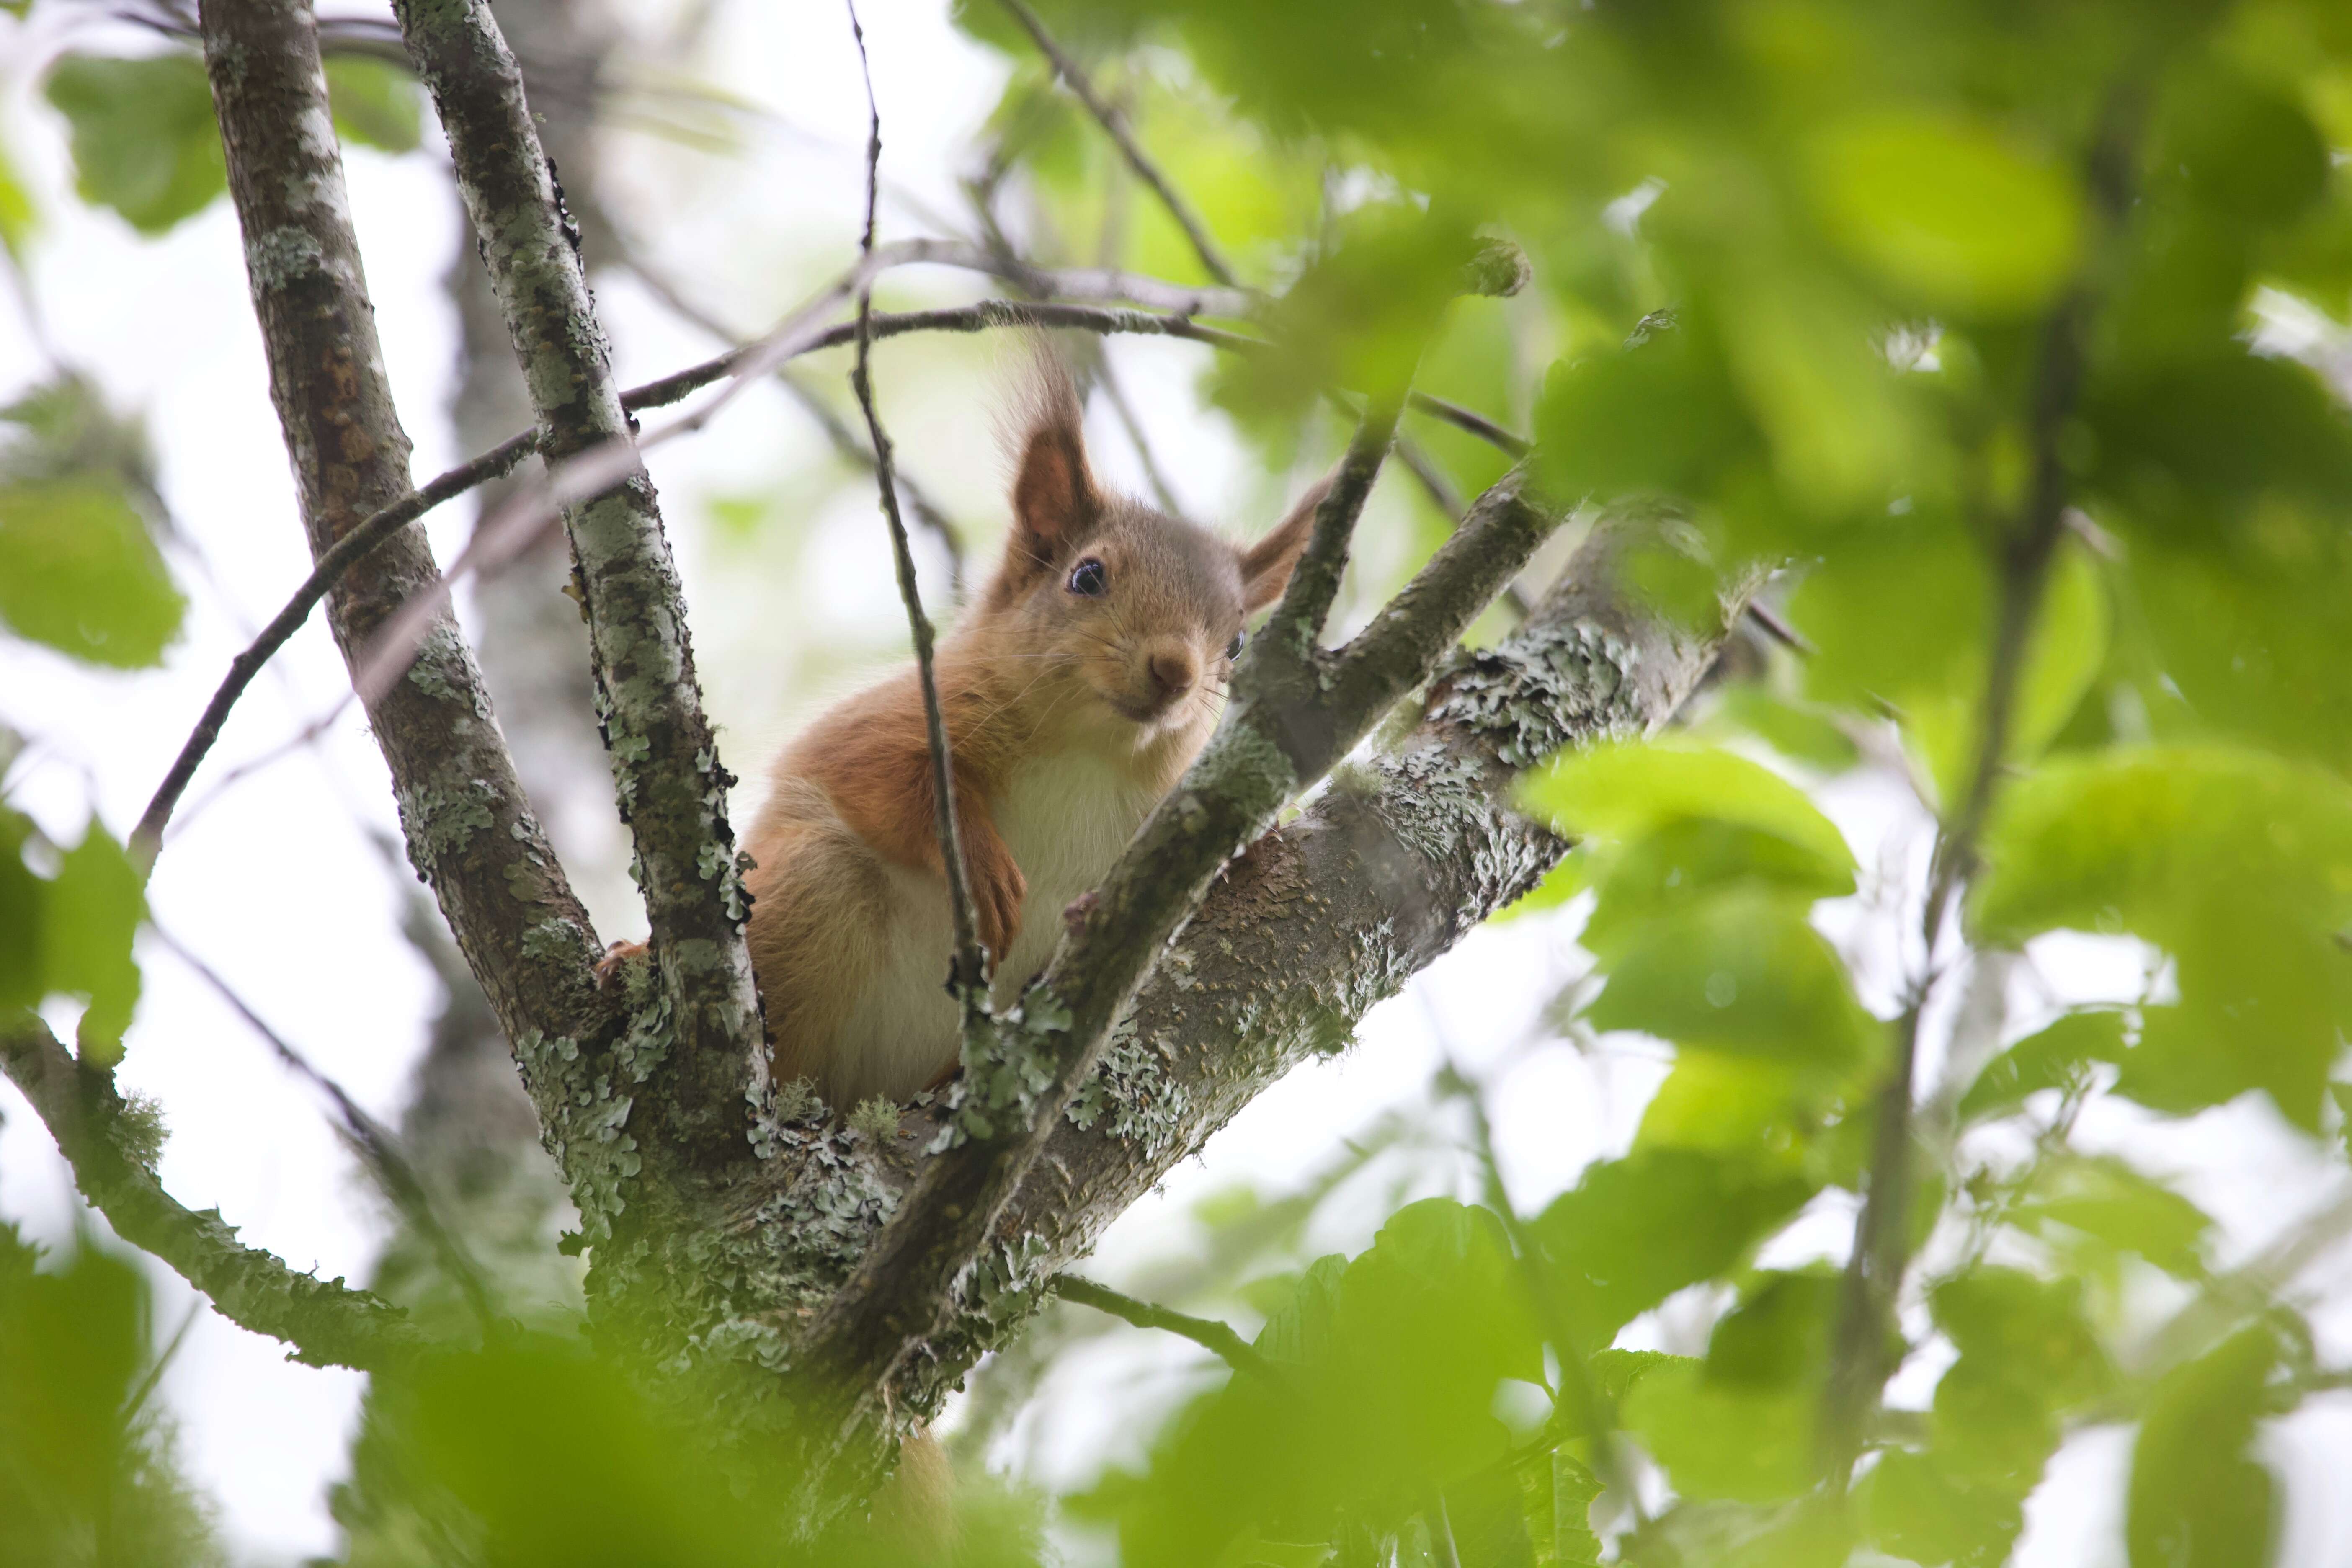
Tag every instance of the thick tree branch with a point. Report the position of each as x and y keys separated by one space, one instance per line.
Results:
x=1315 y=922
x=672 y=788
x=390 y=521
x=470 y=831
x=1011 y=1100
x=328 y=1323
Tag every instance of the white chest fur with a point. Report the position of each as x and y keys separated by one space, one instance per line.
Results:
x=1065 y=818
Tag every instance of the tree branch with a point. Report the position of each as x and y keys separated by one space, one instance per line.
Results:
x=671 y=785
x=390 y=521
x=328 y=1323
x=470 y=831
x=375 y=1145
x=968 y=972
x=1309 y=927
x=383 y=523
x=1218 y=1339
x=1860 y=1360
x=1007 y=1106
x=1114 y=124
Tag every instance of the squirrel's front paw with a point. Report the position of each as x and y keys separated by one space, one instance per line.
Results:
x=996 y=896
x=616 y=959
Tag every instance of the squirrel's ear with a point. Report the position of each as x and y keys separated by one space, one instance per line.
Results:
x=1266 y=565
x=1054 y=500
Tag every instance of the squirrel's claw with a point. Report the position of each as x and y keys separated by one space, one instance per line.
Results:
x=616 y=958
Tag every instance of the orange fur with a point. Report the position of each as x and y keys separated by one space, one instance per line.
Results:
x=1067 y=714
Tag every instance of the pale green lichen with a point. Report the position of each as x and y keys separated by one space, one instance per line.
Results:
x=439 y=822
x=139 y=1130
x=1534 y=693
x=876 y=1119
x=552 y=939
x=276 y=257
x=1132 y=1093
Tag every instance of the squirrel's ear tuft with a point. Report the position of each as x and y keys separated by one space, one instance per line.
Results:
x=1266 y=565
x=1054 y=500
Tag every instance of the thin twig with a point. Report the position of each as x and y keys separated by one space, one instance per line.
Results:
x=146 y=1389
x=1218 y=1339
x=1587 y=1403
x=968 y=978
x=1293 y=627
x=376 y=1144
x=837 y=431
x=326 y=1321
x=538 y=505
x=346 y=552
x=1473 y=422
x=1114 y=124
x=1441 y=1530
x=1875 y=1268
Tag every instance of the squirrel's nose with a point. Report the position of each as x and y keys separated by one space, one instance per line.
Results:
x=1173 y=669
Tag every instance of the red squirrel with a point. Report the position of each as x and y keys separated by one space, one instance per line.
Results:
x=1081 y=682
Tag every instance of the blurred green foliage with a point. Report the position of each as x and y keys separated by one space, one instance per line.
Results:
x=1805 y=273
x=87 y=1477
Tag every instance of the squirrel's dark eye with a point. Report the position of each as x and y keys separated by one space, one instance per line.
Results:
x=1233 y=649
x=1090 y=578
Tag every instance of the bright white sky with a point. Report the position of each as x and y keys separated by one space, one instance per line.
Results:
x=276 y=883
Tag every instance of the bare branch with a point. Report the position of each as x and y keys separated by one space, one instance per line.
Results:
x=328 y=1323
x=383 y=523
x=377 y=1148
x=1860 y=1359
x=967 y=976
x=1473 y=422
x=1218 y=1339
x=671 y=784
x=1114 y=124
x=845 y=441
x=1291 y=631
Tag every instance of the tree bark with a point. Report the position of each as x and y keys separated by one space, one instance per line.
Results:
x=709 y=1047
x=470 y=832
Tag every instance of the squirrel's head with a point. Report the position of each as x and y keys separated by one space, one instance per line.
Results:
x=1132 y=618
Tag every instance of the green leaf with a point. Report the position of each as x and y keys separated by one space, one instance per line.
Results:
x=1946 y=212
x=1913 y=1506
x=88 y=916
x=2054 y=1057
x=1625 y=789
x=2198 y=1498
x=17 y=217
x=20 y=917
x=1901 y=615
x=2027 y=1355
x=1661 y=875
x=144 y=140
x=2239 y=865
x=376 y=102
x=1725 y=1440
x=1634 y=1231
x=78 y=572
x=1800 y=731
x=2108 y=1202
x=1739 y=972
x=1725 y=1105
x=1659 y=418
